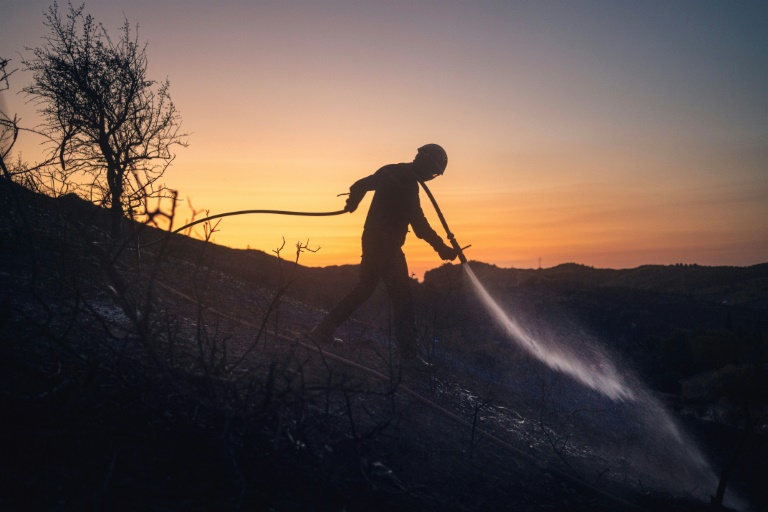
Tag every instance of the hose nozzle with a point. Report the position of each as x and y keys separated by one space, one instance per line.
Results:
x=459 y=249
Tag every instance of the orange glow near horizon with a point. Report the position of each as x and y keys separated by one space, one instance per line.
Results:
x=613 y=141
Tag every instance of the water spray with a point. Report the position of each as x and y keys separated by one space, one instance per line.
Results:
x=589 y=365
x=600 y=374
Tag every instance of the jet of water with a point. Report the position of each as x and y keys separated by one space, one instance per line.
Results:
x=599 y=373
x=591 y=366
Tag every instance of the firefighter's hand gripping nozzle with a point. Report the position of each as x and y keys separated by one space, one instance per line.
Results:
x=459 y=249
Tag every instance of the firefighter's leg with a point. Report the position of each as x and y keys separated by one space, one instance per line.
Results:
x=369 y=278
x=401 y=298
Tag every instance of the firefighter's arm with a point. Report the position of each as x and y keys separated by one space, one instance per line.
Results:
x=357 y=191
x=423 y=230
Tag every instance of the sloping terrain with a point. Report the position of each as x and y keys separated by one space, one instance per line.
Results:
x=176 y=377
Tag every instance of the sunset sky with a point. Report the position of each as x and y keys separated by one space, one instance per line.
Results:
x=611 y=133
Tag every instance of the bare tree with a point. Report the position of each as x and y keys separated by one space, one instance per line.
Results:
x=106 y=118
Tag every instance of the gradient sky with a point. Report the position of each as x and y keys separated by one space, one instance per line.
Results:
x=612 y=133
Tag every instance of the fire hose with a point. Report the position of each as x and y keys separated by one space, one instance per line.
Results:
x=247 y=212
x=451 y=238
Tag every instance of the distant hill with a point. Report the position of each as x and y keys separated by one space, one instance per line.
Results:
x=727 y=285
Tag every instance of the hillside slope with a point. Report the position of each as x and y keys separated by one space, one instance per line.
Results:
x=176 y=377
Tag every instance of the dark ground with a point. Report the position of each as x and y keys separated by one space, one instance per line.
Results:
x=158 y=383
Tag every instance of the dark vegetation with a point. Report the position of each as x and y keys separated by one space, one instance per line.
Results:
x=166 y=378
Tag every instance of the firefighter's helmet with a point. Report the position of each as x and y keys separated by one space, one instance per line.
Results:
x=437 y=156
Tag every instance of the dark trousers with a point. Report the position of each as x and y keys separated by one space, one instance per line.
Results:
x=391 y=267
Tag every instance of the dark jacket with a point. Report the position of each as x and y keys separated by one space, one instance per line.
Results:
x=395 y=205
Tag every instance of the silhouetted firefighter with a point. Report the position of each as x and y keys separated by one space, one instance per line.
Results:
x=394 y=207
